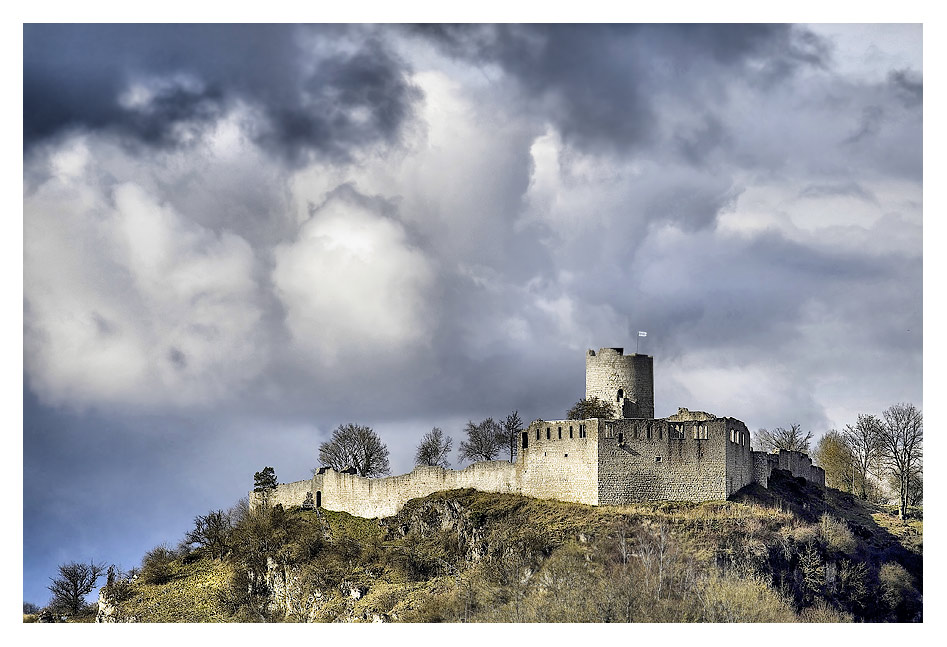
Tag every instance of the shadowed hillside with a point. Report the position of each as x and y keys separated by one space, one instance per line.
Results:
x=791 y=553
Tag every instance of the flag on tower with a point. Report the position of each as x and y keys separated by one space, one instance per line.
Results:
x=642 y=333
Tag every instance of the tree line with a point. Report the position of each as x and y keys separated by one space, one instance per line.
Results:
x=875 y=453
x=358 y=449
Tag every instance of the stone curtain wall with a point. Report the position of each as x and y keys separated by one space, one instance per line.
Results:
x=634 y=467
x=610 y=462
x=740 y=465
x=796 y=463
x=562 y=469
x=689 y=456
x=610 y=369
x=562 y=466
x=383 y=497
x=285 y=494
x=799 y=464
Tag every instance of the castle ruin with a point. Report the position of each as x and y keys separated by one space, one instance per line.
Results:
x=688 y=456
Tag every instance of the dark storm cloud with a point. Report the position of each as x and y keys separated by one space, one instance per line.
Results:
x=75 y=76
x=602 y=85
x=577 y=196
x=908 y=86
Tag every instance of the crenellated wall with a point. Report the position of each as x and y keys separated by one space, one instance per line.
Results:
x=688 y=456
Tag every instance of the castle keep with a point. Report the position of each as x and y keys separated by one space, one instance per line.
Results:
x=688 y=456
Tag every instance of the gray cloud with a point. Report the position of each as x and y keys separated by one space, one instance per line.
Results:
x=602 y=85
x=237 y=238
x=851 y=189
x=313 y=100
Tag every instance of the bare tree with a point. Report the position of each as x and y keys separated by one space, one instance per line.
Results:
x=865 y=443
x=434 y=449
x=355 y=446
x=902 y=445
x=484 y=441
x=211 y=533
x=590 y=408
x=512 y=426
x=792 y=439
x=75 y=581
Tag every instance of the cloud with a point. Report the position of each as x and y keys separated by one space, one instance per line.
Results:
x=352 y=284
x=323 y=92
x=475 y=229
x=605 y=87
x=126 y=301
x=238 y=237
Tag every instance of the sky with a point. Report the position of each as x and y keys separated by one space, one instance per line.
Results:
x=237 y=238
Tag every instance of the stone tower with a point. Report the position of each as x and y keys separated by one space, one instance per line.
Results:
x=626 y=381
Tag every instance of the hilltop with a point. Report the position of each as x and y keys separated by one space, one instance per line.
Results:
x=793 y=552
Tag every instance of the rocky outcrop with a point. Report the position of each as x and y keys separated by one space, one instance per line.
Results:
x=109 y=609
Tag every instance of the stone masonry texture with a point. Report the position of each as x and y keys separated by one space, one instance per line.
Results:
x=689 y=456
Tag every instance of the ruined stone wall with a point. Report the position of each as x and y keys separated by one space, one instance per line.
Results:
x=796 y=463
x=799 y=464
x=740 y=466
x=609 y=371
x=383 y=497
x=562 y=467
x=559 y=461
x=285 y=494
x=655 y=460
x=685 y=415
x=762 y=467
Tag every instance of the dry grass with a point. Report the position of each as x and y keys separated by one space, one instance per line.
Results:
x=190 y=595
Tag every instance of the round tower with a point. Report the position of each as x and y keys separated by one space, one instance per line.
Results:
x=625 y=381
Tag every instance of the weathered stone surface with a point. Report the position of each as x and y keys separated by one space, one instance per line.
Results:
x=689 y=456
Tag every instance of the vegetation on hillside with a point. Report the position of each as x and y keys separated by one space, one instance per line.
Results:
x=793 y=552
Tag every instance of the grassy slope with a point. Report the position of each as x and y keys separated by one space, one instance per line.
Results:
x=414 y=569
x=190 y=596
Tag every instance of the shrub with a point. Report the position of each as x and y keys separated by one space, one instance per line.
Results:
x=836 y=535
x=812 y=570
x=728 y=598
x=853 y=581
x=118 y=586
x=822 y=612
x=896 y=584
x=156 y=565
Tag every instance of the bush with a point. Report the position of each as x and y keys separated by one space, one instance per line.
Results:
x=836 y=535
x=156 y=565
x=896 y=584
x=822 y=612
x=118 y=586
